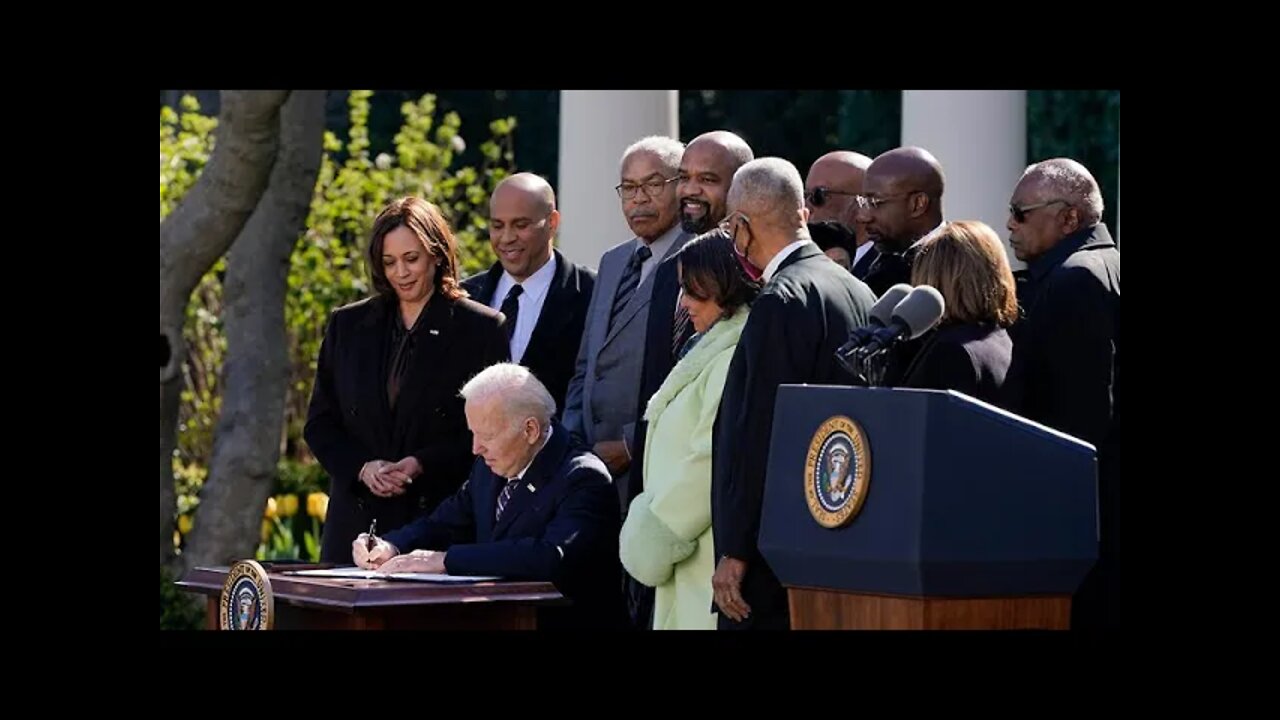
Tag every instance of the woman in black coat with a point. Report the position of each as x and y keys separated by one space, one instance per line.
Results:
x=385 y=420
x=969 y=351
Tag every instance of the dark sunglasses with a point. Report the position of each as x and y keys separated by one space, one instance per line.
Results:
x=818 y=197
x=1020 y=213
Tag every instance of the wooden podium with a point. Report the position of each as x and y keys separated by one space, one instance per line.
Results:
x=317 y=603
x=818 y=609
x=923 y=509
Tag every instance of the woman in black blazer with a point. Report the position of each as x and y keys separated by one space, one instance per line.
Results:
x=969 y=351
x=385 y=420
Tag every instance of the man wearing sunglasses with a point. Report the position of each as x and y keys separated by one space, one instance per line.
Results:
x=805 y=311
x=1065 y=371
x=830 y=192
x=901 y=202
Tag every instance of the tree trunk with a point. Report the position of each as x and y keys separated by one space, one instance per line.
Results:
x=256 y=372
x=195 y=235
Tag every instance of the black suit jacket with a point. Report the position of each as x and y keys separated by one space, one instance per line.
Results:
x=1066 y=357
x=803 y=314
x=889 y=269
x=553 y=347
x=349 y=421
x=863 y=266
x=969 y=358
x=1066 y=374
x=561 y=525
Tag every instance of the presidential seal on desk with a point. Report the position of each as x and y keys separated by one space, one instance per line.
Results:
x=247 y=602
x=837 y=469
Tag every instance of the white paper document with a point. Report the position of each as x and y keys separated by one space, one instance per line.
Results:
x=362 y=574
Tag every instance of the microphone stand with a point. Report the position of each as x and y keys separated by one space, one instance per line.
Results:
x=873 y=367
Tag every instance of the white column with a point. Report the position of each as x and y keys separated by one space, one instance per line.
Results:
x=980 y=137
x=595 y=127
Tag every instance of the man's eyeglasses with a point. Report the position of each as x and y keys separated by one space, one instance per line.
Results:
x=867 y=202
x=726 y=225
x=652 y=187
x=1020 y=213
x=821 y=194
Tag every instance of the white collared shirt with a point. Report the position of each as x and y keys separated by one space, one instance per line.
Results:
x=863 y=249
x=536 y=287
x=772 y=267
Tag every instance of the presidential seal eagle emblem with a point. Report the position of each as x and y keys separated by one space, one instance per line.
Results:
x=836 y=472
x=247 y=602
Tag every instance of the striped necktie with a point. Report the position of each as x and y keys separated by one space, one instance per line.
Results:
x=505 y=496
x=630 y=280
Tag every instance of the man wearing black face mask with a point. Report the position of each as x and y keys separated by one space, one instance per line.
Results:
x=806 y=310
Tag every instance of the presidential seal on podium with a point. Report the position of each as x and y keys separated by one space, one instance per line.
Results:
x=837 y=470
x=247 y=602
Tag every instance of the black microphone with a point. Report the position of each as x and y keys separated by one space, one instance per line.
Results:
x=918 y=312
x=880 y=316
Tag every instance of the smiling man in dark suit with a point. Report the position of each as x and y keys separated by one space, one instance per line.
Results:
x=536 y=507
x=543 y=296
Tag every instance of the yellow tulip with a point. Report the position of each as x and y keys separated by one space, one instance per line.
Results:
x=184 y=524
x=270 y=511
x=288 y=505
x=318 y=505
x=266 y=530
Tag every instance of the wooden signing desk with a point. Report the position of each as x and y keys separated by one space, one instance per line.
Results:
x=319 y=603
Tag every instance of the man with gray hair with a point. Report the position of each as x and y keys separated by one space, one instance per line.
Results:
x=601 y=401
x=600 y=406
x=804 y=313
x=535 y=507
x=1065 y=370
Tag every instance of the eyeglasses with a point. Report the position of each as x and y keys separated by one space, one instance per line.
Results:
x=867 y=202
x=726 y=225
x=821 y=194
x=627 y=191
x=1020 y=213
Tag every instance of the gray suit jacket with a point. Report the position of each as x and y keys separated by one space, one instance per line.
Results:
x=601 y=401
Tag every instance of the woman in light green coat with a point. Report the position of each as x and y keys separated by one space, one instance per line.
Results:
x=666 y=540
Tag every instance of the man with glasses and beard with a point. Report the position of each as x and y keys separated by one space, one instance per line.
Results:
x=830 y=192
x=805 y=311
x=901 y=202
x=706 y=167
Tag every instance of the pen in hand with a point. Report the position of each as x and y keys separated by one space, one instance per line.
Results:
x=370 y=541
